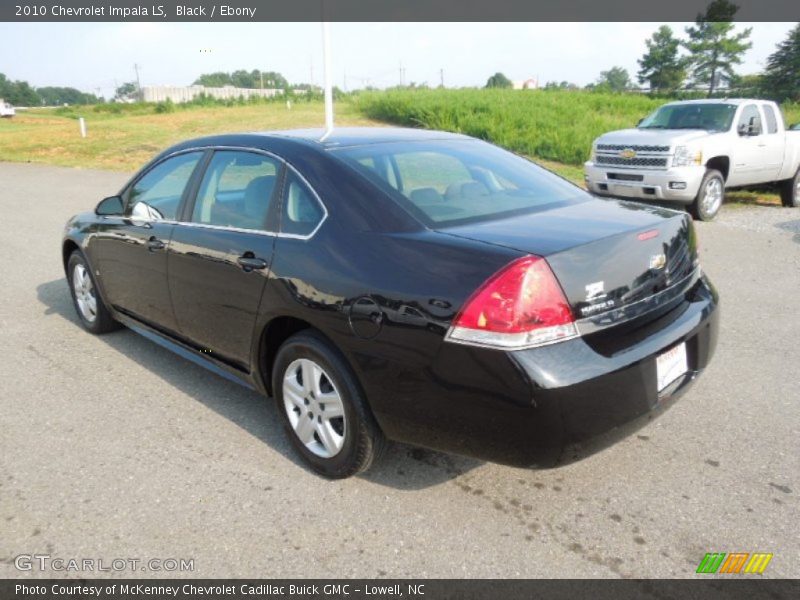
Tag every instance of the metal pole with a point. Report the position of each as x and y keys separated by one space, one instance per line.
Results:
x=326 y=49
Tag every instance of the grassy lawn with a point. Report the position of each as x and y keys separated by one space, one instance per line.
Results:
x=125 y=141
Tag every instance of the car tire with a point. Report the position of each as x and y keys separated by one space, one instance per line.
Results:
x=323 y=409
x=709 y=197
x=790 y=191
x=92 y=311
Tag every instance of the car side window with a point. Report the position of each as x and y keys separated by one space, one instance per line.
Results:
x=772 y=121
x=302 y=211
x=157 y=195
x=236 y=190
x=750 y=121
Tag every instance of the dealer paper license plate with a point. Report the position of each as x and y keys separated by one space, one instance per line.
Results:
x=670 y=365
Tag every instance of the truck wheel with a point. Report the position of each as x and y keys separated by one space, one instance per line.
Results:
x=709 y=198
x=790 y=191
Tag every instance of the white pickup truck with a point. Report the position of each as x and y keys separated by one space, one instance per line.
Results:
x=6 y=110
x=691 y=152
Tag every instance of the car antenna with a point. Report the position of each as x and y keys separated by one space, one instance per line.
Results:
x=326 y=53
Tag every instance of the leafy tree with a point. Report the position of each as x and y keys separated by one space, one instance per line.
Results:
x=498 y=80
x=661 y=66
x=616 y=79
x=713 y=46
x=56 y=96
x=127 y=91
x=18 y=93
x=243 y=79
x=782 y=76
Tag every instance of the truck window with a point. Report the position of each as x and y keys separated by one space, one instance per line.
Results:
x=772 y=121
x=749 y=121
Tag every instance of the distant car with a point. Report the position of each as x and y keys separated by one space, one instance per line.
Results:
x=690 y=152
x=6 y=110
x=419 y=286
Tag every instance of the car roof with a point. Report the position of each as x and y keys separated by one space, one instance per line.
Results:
x=360 y=136
x=734 y=101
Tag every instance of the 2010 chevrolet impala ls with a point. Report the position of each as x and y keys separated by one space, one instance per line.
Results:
x=398 y=284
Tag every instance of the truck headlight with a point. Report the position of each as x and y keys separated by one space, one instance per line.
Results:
x=686 y=158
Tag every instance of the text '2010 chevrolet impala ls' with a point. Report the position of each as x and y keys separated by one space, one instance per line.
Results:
x=398 y=284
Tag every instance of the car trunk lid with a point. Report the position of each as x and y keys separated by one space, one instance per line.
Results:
x=614 y=260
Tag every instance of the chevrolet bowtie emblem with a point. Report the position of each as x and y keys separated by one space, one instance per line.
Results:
x=628 y=153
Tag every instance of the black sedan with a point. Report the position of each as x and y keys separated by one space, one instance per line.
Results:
x=399 y=284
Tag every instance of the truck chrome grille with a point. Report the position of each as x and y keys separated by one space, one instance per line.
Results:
x=618 y=147
x=639 y=162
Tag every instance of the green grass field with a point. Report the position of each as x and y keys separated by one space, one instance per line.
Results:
x=555 y=128
x=125 y=141
x=554 y=125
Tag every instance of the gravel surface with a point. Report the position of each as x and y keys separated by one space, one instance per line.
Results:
x=111 y=447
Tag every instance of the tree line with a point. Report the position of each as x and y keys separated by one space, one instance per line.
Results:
x=21 y=93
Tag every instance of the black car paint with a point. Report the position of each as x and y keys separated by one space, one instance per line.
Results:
x=384 y=290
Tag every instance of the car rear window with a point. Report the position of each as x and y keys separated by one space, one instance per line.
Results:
x=454 y=182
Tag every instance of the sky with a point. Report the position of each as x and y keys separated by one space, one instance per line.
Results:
x=96 y=57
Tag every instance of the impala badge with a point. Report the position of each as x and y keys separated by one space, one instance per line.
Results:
x=658 y=261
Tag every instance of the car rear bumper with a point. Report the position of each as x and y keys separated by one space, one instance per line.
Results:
x=677 y=184
x=555 y=404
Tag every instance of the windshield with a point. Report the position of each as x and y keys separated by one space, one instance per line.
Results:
x=711 y=117
x=455 y=182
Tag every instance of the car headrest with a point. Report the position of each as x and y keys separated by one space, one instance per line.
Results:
x=257 y=195
x=425 y=196
x=466 y=189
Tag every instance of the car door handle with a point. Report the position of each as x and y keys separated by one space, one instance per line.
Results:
x=249 y=262
x=154 y=244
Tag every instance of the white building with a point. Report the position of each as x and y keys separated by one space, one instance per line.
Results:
x=180 y=94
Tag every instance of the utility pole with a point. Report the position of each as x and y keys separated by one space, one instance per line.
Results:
x=138 y=81
x=401 y=74
x=261 y=75
x=441 y=77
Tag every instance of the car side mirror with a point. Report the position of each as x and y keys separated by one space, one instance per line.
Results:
x=743 y=129
x=111 y=206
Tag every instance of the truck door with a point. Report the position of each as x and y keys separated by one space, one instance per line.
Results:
x=748 y=148
x=772 y=144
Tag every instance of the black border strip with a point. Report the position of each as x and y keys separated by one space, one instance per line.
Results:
x=387 y=10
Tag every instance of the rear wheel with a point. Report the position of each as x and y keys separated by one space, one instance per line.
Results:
x=709 y=197
x=790 y=191
x=323 y=409
x=94 y=315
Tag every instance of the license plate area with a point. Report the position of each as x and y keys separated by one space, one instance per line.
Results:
x=670 y=365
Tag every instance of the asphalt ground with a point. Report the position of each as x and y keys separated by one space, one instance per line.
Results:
x=111 y=447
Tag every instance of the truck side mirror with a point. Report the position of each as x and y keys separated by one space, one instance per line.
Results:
x=111 y=206
x=743 y=129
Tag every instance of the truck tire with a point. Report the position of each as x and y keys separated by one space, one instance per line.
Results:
x=790 y=191
x=709 y=197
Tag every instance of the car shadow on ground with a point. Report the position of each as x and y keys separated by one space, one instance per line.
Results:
x=402 y=467
x=792 y=226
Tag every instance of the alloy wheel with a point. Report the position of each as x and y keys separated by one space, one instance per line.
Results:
x=712 y=198
x=314 y=408
x=84 y=293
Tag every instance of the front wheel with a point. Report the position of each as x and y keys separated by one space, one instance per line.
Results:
x=323 y=409
x=94 y=315
x=709 y=197
x=790 y=191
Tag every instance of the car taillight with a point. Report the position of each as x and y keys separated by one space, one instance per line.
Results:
x=520 y=306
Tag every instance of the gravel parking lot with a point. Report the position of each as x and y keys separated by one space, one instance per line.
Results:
x=111 y=447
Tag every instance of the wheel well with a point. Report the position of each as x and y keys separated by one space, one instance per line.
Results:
x=275 y=333
x=67 y=250
x=721 y=164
